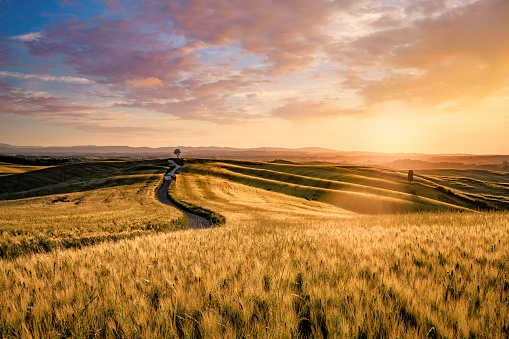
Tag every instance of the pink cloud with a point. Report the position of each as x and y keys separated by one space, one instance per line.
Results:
x=9 y=55
x=425 y=7
x=149 y=55
x=18 y=101
x=28 y=37
x=113 y=52
x=61 y=112
x=287 y=34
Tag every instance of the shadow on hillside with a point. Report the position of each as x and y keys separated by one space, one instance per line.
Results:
x=80 y=177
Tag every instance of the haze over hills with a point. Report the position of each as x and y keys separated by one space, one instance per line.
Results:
x=307 y=155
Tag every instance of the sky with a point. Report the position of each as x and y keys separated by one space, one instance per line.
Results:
x=424 y=76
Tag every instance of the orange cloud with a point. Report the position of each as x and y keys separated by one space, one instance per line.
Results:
x=146 y=82
x=461 y=55
x=299 y=111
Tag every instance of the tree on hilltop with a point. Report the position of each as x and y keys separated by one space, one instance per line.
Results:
x=177 y=152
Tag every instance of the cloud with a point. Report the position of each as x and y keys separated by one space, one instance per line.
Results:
x=146 y=82
x=28 y=36
x=44 y=77
x=9 y=56
x=47 y=109
x=211 y=108
x=157 y=51
x=115 y=51
x=426 y=7
x=18 y=101
x=461 y=55
x=387 y=21
x=163 y=56
x=296 y=110
x=286 y=34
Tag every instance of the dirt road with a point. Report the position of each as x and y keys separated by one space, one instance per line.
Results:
x=194 y=221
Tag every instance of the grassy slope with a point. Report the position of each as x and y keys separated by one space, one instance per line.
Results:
x=281 y=267
x=240 y=203
x=357 y=189
x=92 y=203
x=490 y=186
x=76 y=177
x=8 y=168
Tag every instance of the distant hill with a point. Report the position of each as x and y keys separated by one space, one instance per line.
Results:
x=399 y=161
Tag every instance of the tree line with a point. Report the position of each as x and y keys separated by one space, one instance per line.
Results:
x=35 y=161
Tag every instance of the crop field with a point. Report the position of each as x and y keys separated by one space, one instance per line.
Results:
x=80 y=204
x=359 y=189
x=8 y=168
x=490 y=186
x=306 y=251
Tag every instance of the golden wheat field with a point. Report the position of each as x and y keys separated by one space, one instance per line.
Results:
x=77 y=205
x=294 y=259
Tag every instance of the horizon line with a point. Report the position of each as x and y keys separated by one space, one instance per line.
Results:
x=259 y=147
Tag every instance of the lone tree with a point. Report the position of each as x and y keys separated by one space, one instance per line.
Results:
x=411 y=175
x=176 y=152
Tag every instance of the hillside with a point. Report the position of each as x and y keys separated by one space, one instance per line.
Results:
x=87 y=251
x=77 y=177
x=82 y=204
x=7 y=168
x=366 y=190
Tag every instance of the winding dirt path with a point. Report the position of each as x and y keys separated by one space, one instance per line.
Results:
x=194 y=221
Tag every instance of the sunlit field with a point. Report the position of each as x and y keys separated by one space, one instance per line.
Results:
x=395 y=276
x=8 y=168
x=81 y=204
x=282 y=266
x=365 y=190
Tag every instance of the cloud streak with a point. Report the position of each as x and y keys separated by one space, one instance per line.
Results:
x=16 y=101
x=28 y=37
x=45 y=77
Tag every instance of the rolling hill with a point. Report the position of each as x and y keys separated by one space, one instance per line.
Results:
x=80 y=204
x=358 y=189
x=87 y=251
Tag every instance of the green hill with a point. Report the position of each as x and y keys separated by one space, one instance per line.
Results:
x=360 y=189
x=81 y=204
x=77 y=177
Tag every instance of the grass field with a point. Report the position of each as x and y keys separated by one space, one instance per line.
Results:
x=8 y=168
x=358 y=189
x=490 y=186
x=81 y=204
x=285 y=264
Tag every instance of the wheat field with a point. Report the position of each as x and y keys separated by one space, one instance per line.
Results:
x=94 y=202
x=281 y=266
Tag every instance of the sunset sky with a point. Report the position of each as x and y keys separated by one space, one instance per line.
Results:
x=426 y=76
